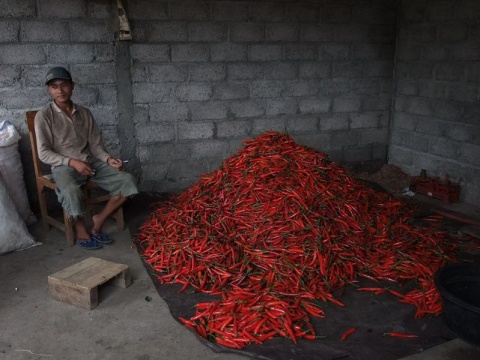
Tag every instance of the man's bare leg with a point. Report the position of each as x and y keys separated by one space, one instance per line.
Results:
x=81 y=229
x=112 y=204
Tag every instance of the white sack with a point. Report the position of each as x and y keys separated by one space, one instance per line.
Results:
x=14 y=234
x=11 y=173
x=8 y=134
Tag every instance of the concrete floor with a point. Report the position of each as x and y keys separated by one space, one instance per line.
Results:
x=123 y=326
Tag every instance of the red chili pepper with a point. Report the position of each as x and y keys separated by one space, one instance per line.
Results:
x=347 y=333
x=400 y=335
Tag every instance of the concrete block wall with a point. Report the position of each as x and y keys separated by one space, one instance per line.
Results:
x=436 y=114
x=208 y=74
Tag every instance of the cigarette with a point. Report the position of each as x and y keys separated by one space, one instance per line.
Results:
x=125 y=161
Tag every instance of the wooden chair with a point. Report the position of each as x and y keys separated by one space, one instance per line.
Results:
x=45 y=181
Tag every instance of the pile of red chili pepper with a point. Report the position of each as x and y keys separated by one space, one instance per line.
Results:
x=275 y=231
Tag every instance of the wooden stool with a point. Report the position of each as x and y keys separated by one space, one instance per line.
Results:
x=78 y=284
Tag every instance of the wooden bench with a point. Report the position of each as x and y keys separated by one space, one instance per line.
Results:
x=78 y=284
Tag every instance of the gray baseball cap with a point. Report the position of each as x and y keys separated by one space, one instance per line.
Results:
x=58 y=72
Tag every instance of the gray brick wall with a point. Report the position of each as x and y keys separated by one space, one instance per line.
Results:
x=206 y=75
x=437 y=93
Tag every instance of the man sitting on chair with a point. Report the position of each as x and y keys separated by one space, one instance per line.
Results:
x=69 y=141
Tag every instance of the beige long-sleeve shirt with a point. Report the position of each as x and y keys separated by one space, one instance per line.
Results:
x=60 y=138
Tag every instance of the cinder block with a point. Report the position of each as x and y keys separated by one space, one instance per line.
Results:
x=207 y=32
x=233 y=128
x=301 y=124
x=381 y=33
x=265 y=89
x=357 y=153
x=419 y=106
x=105 y=115
x=9 y=30
x=334 y=51
x=400 y=156
x=265 y=52
x=194 y=92
x=301 y=88
x=189 y=168
x=89 y=31
x=190 y=52
x=347 y=104
x=373 y=136
x=70 y=54
x=168 y=72
x=271 y=12
x=22 y=54
x=315 y=70
x=23 y=99
x=409 y=70
x=154 y=171
x=335 y=87
x=348 y=69
x=69 y=9
x=329 y=122
x=245 y=71
x=441 y=12
x=86 y=95
x=405 y=121
x=364 y=120
x=407 y=87
x=148 y=10
x=303 y=13
x=171 y=111
x=408 y=51
x=381 y=68
x=380 y=102
x=208 y=148
x=208 y=110
x=283 y=106
x=104 y=52
x=150 y=52
x=446 y=148
x=9 y=75
x=207 y=72
x=314 y=106
x=468 y=10
x=336 y=13
x=417 y=142
x=140 y=73
x=152 y=93
x=168 y=31
x=282 y=32
x=246 y=32
x=166 y=152
x=345 y=138
x=140 y=114
x=189 y=10
x=94 y=73
x=463 y=92
x=380 y=152
x=452 y=32
x=460 y=132
x=316 y=32
x=32 y=75
x=155 y=132
x=16 y=9
x=448 y=71
x=247 y=108
x=350 y=32
x=191 y=131
x=228 y=52
x=99 y=10
x=281 y=70
x=469 y=153
x=231 y=90
x=229 y=11
x=369 y=86
x=300 y=52
x=107 y=95
x=320 y=141
x=271 y=124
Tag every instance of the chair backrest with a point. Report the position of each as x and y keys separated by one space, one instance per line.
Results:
x=37 y=164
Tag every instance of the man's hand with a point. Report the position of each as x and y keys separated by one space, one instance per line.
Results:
x=82 y=167
x=116 y=163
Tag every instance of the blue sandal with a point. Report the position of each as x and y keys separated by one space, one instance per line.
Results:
x=88 y=244
x=101 y=238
